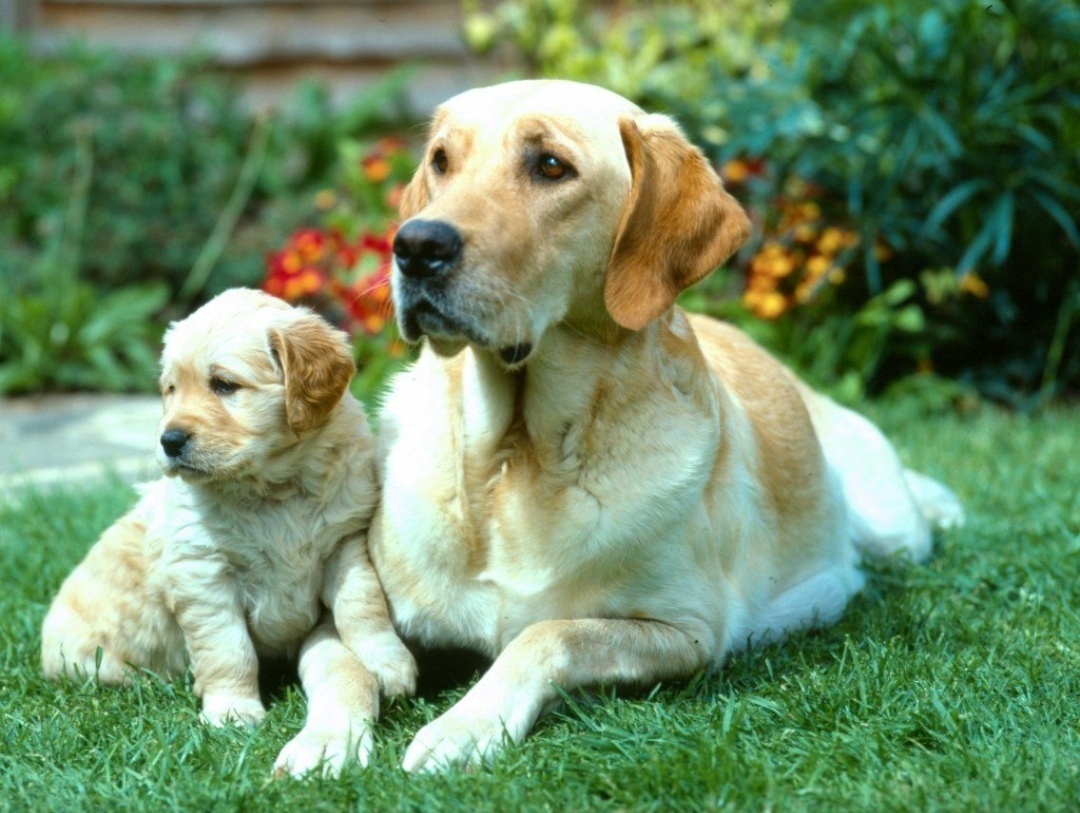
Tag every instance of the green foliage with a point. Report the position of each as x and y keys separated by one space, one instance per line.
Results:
x=948 y=132
x=951 y=133
x=131 y=190
x=79 y=339
x=951 y=686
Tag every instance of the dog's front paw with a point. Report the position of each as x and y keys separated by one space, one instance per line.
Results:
x=325 y=751
x=390 y=662
x=219 y=710
x=457 y=738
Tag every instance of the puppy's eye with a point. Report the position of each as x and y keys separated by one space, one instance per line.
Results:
x=222 y=386
x=553 y=169
x=168 y=389
x=439 y=161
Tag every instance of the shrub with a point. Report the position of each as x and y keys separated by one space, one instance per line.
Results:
x=132 y=189
x=945 y=135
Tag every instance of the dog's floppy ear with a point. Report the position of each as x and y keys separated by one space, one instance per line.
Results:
x=317 y=366
x=679 y=223
x=414 y=196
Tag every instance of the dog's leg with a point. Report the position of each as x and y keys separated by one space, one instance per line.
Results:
x=355 y=596
x=521 y=683
x=210 y=612
x=343 y=704
x=109 y=617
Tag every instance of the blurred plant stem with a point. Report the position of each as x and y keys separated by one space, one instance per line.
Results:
x=234 y=208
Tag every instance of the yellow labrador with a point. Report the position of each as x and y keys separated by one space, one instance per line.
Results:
x=579 y=479
x=254 y=542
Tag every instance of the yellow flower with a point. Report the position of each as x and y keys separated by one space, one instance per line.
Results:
x=765 y=304
x=325 y=199
x=834 y=240
x=973 y=284
x=816 y=267
x=773 y=260
x=735 y=172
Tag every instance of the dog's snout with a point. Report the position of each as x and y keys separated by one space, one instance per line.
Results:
x=426 y=248
x=173 y=441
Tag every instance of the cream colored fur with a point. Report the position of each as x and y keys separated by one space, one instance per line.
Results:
x=254 y=543
x=579 y=479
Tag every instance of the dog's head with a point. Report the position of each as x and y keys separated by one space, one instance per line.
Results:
x=541 y=202
x=244 y=378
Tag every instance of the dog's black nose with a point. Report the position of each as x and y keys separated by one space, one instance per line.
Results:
x=173 y=441
x=426 y=248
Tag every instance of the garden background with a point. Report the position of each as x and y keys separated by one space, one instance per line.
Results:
x=913 y=174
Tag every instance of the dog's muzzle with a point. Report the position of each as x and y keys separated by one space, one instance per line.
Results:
x=426 y=253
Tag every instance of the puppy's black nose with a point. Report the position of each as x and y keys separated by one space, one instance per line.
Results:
x=426 y=248
x=173 y=441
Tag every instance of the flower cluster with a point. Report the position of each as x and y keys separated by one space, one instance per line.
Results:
x=341 y=266
x=350 y=279
x=800 y=252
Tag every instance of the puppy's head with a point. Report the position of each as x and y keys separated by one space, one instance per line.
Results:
x=541 y=202
x=244 y=378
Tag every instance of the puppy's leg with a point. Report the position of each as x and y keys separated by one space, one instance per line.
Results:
x=110 y=604
x=352 y=591
x=210 y=611
x=343 y=704
x=521 y=683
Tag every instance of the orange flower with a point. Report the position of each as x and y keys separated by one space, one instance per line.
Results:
x=972 y=283
x=376 y=168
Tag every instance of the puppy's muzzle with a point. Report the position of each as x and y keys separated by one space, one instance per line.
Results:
x=426 y=249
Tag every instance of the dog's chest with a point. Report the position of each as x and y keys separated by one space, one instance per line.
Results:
x=271 y=555
x=472 y=574
x=280 y=574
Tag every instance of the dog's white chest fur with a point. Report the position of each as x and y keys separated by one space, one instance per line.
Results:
x=269 y=557
x=475 y=563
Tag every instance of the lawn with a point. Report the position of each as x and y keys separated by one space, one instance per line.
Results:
x=951 y=686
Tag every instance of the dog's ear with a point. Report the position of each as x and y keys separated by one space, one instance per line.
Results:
x=414 y=196
x=317 y=365
x=679 y=223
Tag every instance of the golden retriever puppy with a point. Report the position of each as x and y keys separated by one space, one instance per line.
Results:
x=579 y=479
x=253 y=544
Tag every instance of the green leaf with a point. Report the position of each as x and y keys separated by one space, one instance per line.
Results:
x=956 y=197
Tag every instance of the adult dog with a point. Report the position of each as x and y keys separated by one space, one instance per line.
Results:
x=579 y=479
x=254 y=542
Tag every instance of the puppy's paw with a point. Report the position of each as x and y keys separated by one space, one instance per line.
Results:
x=324 y=751
x=456 y=739
x=219 y=710
x=390 y=662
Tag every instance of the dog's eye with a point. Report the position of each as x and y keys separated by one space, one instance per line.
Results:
x=553 y=169
x=221 y=386
x=440 y=161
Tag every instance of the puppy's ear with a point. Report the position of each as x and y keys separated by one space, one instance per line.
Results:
x=414 y=196
x=679 y=224
x=317 y=365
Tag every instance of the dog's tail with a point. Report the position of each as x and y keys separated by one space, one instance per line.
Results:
x=939 y=506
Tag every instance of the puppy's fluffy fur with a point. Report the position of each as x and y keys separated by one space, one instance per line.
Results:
x=581 y=480
x=254 y=542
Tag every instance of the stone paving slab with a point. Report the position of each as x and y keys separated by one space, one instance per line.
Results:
x=76 y=439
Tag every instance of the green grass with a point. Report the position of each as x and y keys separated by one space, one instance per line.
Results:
x=952 y=686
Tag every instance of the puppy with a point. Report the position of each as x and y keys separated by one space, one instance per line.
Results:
x=253 y=544
x=579 y=479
